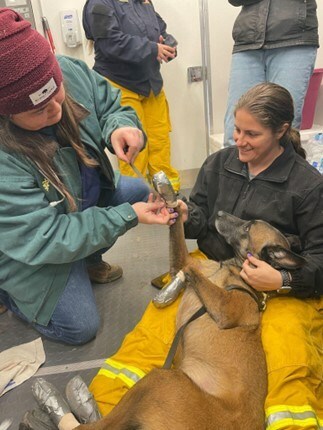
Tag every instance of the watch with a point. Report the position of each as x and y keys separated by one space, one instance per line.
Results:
x=286 y=287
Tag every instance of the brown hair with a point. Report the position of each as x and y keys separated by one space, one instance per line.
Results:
x=40 y=149
x=272 y=106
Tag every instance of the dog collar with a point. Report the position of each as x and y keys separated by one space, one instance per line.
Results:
x=260 y=297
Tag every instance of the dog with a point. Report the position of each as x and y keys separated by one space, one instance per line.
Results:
x=219 y=378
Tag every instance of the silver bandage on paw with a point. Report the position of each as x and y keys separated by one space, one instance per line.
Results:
x=81 y=401
x=50 y=400
x=170 y=292
x=165 y=189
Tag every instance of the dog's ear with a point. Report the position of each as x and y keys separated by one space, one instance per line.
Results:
x=281 y=258
x=294 y=242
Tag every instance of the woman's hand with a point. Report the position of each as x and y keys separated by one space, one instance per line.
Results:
x=127 y=142
x=164 y=51
x=260 y=275
x=184 y=209
x=154 y=212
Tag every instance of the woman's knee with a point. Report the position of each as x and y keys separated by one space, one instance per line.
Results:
x=73 y=332
x=130 y=190
x=84 y=332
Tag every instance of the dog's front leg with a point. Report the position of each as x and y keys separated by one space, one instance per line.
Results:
x=223 y=306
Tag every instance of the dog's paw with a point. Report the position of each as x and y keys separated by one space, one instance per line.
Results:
x=170 y=292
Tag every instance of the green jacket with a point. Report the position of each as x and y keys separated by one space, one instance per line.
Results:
x=39 y=242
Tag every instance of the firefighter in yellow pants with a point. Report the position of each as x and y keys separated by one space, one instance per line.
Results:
x=294 y=360
x=131 y=41
x=153 y=113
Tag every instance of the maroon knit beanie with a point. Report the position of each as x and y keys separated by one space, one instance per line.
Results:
x=29 y=72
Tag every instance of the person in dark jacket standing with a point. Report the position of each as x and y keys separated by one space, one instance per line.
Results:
x=274 y=41
x=265 y=176
x=61 y=206
x=131 y=42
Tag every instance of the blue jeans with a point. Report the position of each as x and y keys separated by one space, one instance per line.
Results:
x=75 y=319
x=290 y=67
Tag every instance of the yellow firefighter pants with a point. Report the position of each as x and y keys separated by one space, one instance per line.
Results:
x=292 y=334
x=143 y=349
x=153 y=113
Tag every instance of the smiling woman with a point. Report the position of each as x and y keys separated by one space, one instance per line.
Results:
x=265 y=176
x=262 y=126
x=258 y=146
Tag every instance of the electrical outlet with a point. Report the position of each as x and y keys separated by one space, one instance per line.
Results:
x=195 y=74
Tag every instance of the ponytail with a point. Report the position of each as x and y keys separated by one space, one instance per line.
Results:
x=295 y=139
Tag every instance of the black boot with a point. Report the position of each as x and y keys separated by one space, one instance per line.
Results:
x=37 y=420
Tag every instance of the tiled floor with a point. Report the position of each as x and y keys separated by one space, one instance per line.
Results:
x=120 y=306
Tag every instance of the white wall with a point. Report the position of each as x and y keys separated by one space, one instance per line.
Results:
x=185 y=100
x=51 y=10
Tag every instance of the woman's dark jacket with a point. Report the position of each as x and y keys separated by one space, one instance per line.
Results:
x=268 y=24
x=288 y=195
x=125 y=35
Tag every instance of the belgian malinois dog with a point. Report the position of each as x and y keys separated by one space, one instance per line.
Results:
x=219 y=378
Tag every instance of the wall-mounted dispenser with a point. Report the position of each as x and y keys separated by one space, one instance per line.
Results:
x=70 y=25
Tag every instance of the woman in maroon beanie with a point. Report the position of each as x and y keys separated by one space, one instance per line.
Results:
x=61 y=206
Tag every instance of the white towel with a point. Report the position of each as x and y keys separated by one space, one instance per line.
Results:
x=5 y=424
x=19 y=363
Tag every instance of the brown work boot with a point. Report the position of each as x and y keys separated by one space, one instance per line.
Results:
x=103 y=273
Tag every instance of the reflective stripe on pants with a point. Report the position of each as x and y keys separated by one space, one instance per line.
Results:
x=143 y=349
x=292 y=336
x=292 y=417
x=128 y=374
